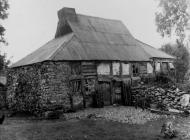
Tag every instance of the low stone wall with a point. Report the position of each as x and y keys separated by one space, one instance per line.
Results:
x=3 y=96
x=162 y=97
x=38 y=87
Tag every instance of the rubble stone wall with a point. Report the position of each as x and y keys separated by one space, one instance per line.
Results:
x=38 y=86
x=164 y=97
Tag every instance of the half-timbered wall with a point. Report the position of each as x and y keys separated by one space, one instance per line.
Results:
x=50 y=80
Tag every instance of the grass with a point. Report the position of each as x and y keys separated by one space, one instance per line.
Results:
x=87 y=129
x=23 y=127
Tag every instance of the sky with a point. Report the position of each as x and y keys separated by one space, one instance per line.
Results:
x=32 y=23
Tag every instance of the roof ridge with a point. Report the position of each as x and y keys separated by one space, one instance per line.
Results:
x=78 y=14
x=104 y=32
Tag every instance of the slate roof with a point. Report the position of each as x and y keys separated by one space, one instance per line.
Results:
x=81 y=37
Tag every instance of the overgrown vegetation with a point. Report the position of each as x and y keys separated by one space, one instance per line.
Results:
x=172 y=21
x=172 y=18
x=182 y=59
x=4 y=6
x=26 y=94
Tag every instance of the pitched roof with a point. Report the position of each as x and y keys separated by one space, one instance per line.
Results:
x=80 y=37
x=46 y=52
x=153 y=52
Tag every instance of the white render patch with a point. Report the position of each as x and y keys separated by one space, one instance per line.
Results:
x=3 y=80
x=125 y=69
x=158 y=67
x=103 y=69
x=171 y=65
x=116 y=68
x=149 y=68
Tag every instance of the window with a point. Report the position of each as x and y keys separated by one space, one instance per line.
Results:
x=75 y=68
x=149 y=68
x=143 y=68
x=171 y=66
x=157 y=67
x=164 y=67
x=125 y=69
x=116 y=68
x=135 y=69
x=75 y=86
x=103 y=69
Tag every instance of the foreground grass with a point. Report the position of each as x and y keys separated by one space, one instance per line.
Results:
x=86 y=129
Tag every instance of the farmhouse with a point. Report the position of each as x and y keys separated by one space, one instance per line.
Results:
x=91 y=60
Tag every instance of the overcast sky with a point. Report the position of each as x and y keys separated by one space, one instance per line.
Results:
x=32 y=23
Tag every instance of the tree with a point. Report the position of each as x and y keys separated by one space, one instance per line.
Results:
x=172 y=18
x=3 y=15
x=169 y=49
x=182 y=58
x=4 y=6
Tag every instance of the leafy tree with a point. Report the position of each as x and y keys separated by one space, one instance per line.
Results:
x=169 y=49
x=172 y=18
x=3 y=15
x=4 y=6
x=182 y=58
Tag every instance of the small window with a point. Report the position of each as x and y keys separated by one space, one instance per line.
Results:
x=149 y=68
x=103 y=69
x=164 y=67
x=116 y=68
x=125 y=69
x=75 y=86
x=135 y=69
x=171 y=66
x=157 y=68
x=75 y=68
x=143 y=68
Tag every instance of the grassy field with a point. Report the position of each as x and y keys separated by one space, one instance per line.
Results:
x=23 y=127
x=86 y=129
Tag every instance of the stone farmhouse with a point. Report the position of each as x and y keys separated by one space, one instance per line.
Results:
x=91 y=60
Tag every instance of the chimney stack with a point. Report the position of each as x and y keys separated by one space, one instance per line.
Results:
x=65 y=15
x=66 y=12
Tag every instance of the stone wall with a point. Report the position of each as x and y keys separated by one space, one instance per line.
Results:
x=38 y=87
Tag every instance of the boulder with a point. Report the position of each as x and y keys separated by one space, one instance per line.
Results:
x=185 y=100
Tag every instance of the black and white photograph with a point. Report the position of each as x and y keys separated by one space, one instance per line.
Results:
x=94 y=69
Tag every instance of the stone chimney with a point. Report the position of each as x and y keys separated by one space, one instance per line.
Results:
x=65 y=14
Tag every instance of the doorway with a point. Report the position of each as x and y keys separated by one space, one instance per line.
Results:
x=106 y=92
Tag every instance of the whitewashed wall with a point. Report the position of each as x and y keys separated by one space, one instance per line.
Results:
x=116 y=68
x=125 y=69
x=158 y=67
x=103 y=69
x=149 y=68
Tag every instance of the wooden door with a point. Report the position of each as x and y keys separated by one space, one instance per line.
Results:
x=106 y=91
x=117 y=93
x=126 y=93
